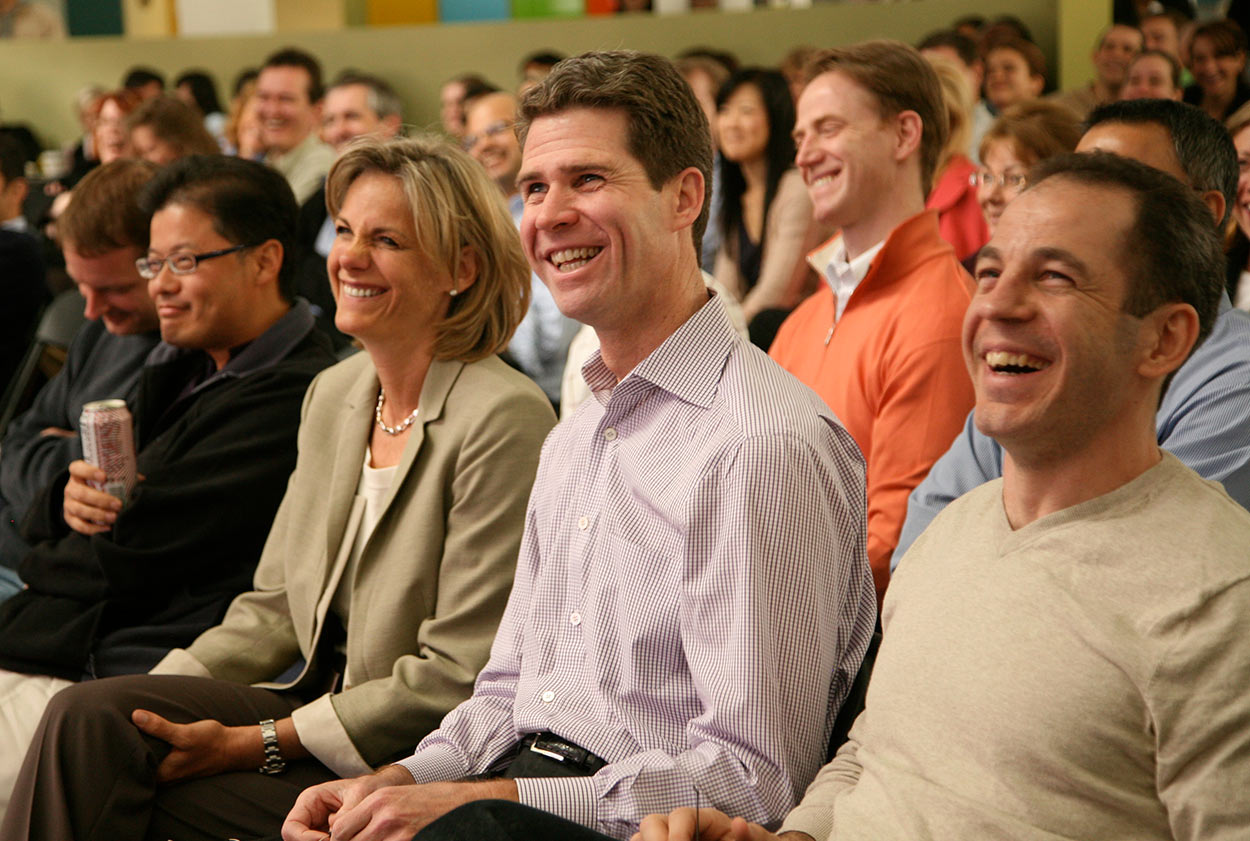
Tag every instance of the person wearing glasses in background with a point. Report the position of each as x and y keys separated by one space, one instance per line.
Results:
x=1026 y=134
x=540 y=346
x=112 y=585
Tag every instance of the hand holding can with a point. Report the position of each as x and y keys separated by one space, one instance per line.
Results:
x=108 y=443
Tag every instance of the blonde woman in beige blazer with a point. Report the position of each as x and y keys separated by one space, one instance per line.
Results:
x=390 y=559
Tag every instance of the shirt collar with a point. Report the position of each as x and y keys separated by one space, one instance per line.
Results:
x=839 y=271
x=687 y=364
x=17 y=223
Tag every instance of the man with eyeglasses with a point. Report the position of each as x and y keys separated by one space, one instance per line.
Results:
x=112 y=585
x=540 y=346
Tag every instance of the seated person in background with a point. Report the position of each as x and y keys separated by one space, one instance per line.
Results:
x=1023 y=136
x=103 y=232
x=288 y=104
x=144 y=82
x=765 y=209
x=1117 y=46
x=1015 y=71
x=355 y=105
x=164 y=129
x=700 y=517
x=113 y=585
x=1064 y=652
x=25 y=289
x=1153 y=75
x=961 y=49
x=1217 y=53
x=880 y=340
x=541 y=344
x=954 y=193
x=1202 y=417
x=394 y=607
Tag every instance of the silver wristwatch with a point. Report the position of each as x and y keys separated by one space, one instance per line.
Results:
x=274 y=764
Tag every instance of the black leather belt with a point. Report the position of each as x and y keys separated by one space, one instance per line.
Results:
x=572 y=756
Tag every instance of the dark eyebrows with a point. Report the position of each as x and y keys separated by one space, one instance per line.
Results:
x=1062 y=255
x=569 y=169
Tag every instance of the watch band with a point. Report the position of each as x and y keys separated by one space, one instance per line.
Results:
x=274 y=764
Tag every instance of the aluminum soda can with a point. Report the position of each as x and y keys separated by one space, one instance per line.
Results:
x=108 y=442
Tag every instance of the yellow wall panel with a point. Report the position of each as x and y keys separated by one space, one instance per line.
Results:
x=400 y=12
x=149 y=18
x=297 y=15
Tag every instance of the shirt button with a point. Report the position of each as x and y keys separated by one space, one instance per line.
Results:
x=548 y=696
x=583 y=522
x=609 y=434
x=575 y=618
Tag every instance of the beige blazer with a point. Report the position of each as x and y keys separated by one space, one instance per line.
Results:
x=789 y=215
x=432 y=580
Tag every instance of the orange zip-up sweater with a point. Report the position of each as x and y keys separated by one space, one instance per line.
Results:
x=891 y=368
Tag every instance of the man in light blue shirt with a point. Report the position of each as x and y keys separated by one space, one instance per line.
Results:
x=1203 y=418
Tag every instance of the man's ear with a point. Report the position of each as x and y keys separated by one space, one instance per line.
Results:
x=1214 y=200
x=1168 y=335
x=268 y=256
x=910 y=132
x=688 y=197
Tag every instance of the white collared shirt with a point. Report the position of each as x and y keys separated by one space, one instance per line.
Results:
x=845 y=275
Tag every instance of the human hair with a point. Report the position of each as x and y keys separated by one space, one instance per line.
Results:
x=1006 y=26
x=1174 y=66
x=203 y=90
x=248 y=202
x=702 y=64
x=104 y=213
x=900 y=80
x=666 y=130
x=957 y=95
x=778 y=151
x=382 y=98
x=295 y=57
x=543 y=58
x=973 y=21
x=247 y=76
x=455 y=205
x=138 y=77
x=1176 y=17
x=961 y=44
x=793 y=62
x=1226 y=37
x=724 y=58
x=1203 y=147
x=1027 y=50
x=476 y=89
x=1102 y=36
x=1037 y=130
x=125 y=99
x=1172 y=251
x=12 y=158
x=176 y=123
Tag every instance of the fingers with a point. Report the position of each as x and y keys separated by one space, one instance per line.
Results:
x=154 y=725
x=86 y=509
x=309 y=818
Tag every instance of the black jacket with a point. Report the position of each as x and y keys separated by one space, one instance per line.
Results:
x=216 y=464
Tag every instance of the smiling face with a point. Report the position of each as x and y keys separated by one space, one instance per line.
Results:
x=111 y=139
x=210 y=308
x=845 y=150
x=1051 y=353
x=1000 y=160
x=1008 y=79
x=151 y=148
x=1150 y=77
x=1159 y=33
x=594 y=230
x=1115 y=53
x=1241 y=207
x=347 y=115
x=1216 y=74
x=286 y=113
x=742 y=125
x=491 y=141
x=385 y=289
x=113 y=290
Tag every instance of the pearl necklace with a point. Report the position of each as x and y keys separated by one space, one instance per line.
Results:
x=392 y=430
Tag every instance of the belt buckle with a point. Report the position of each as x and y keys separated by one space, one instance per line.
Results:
x=557 y=750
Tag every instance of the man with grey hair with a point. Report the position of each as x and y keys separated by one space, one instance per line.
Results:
x=692 y=596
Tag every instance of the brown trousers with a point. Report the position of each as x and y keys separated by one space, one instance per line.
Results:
x=90 y=773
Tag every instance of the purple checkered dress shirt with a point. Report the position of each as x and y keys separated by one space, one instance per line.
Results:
x=692 y=597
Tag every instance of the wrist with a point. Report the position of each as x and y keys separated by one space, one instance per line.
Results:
x=248 y=748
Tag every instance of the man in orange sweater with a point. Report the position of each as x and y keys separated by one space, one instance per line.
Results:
x=880 y=341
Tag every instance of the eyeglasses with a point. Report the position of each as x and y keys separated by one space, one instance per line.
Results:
x=182 y=262
x=1010 y=181
x=496 y=128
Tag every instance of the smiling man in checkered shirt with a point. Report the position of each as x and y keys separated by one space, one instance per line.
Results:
x=692 y=597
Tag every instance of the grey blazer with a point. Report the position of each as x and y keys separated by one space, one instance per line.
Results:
x=432 y=580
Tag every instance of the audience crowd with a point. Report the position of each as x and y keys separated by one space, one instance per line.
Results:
x=899 y=491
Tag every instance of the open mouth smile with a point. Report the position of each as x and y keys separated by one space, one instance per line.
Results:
x=1003 y=362
x=571 y=259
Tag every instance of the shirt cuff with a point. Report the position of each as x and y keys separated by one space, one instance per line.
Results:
x=572 y=798
x=179 y=661
x=816 y=821
x=435 y=764
x=321 y=732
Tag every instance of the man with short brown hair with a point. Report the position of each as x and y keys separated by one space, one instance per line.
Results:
x=880 y=340
x=289 y=94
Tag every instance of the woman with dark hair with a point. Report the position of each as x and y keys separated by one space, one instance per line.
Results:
x=197 y=89
x=1015 y=72
x=765 y=210
x=164 y=129
x=1217 y=57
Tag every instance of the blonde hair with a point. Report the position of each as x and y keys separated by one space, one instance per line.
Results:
x=455 y=205
x=957 y=94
